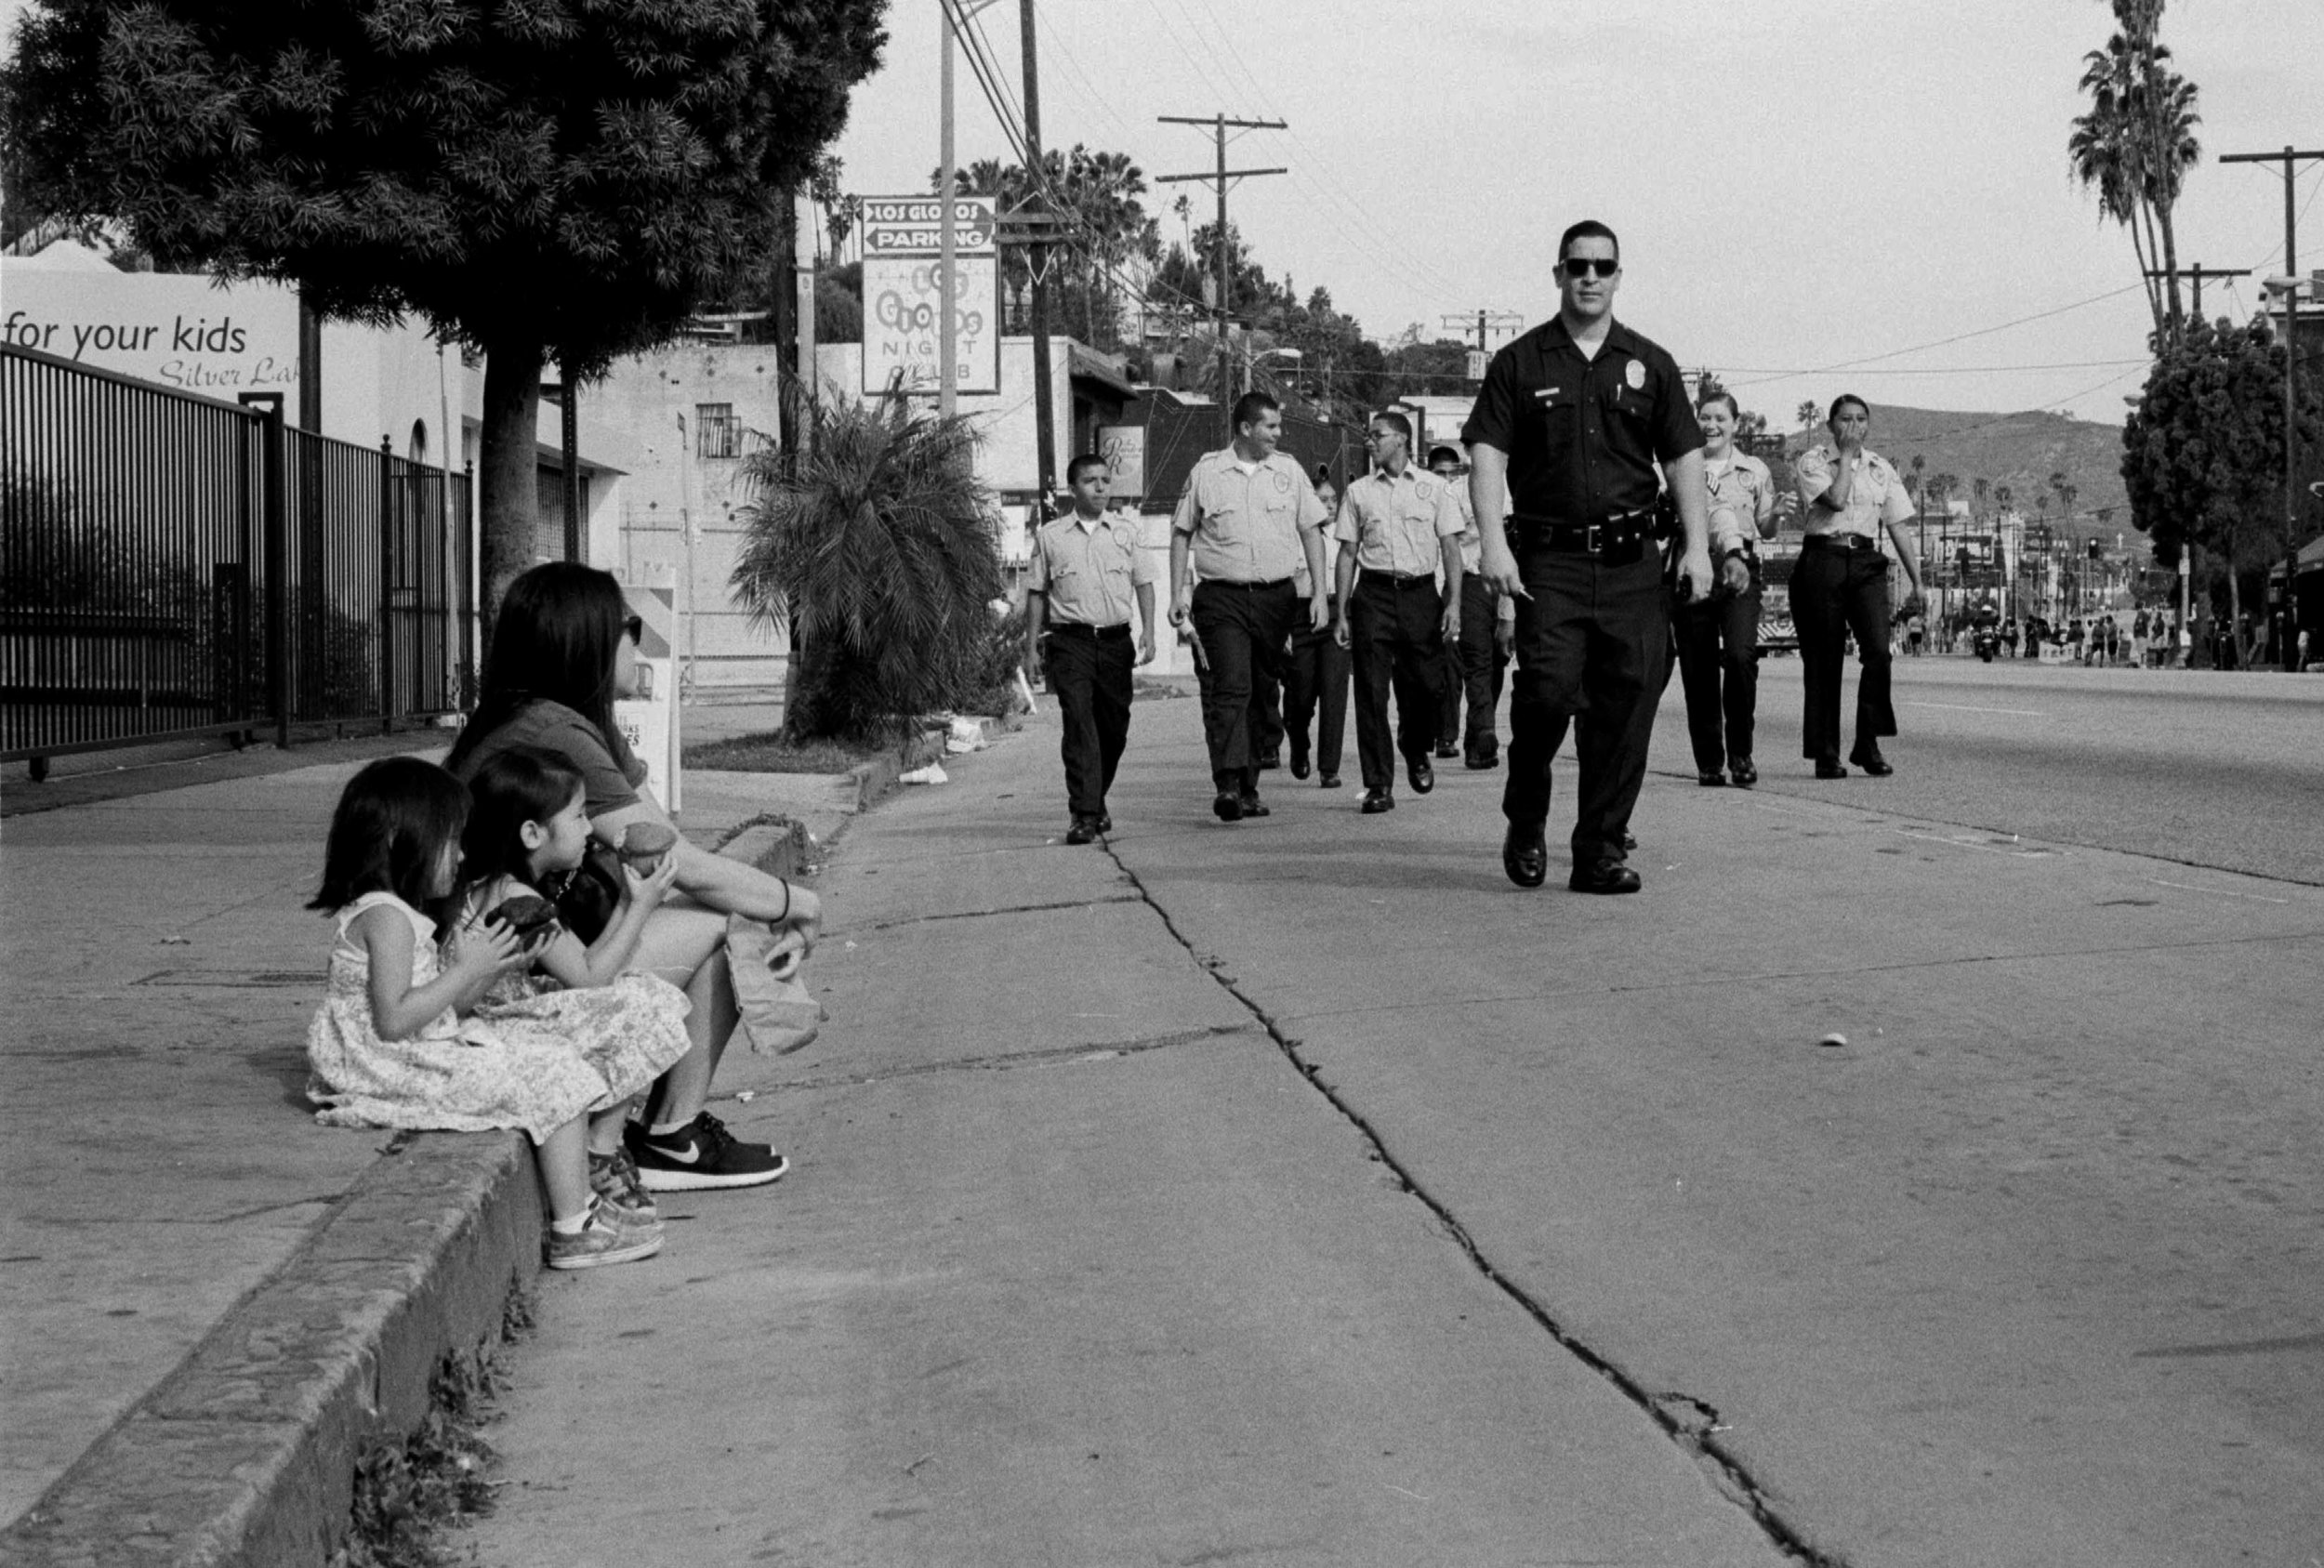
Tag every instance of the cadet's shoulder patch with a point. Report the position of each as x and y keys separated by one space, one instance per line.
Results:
x=1283 y=483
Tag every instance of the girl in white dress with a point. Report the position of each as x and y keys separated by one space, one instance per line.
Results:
x=396 y=1043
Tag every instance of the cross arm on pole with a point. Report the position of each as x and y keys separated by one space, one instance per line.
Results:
x=1223 y=120
x=1206 y=174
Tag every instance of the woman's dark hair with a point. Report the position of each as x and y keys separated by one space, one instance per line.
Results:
x=1842 y=401
x=1720 y=394
x=555 y=638
x=393 y=821
x=519 y=786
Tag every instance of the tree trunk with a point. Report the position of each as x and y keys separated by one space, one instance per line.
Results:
x=2169 y=264
x=2234 y=614
x=508 y=470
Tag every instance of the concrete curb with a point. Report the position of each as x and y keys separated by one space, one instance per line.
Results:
x=245 y=1456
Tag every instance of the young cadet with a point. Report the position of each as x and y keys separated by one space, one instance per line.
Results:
x=1397 y=524
x=1479 y=661
x=1247 y=517
x=1839 y=584
x=1315 y=677
x=1718 y=637
x=1087 y=568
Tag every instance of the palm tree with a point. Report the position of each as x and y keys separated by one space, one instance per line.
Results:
x=877 y=551
x=1980 y=487
x=1806 y=414
x=2135 y=143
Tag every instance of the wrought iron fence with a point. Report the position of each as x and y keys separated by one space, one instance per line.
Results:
x=172 y=566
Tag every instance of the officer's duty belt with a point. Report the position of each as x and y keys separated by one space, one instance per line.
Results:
x=1397 y=579
x=1615 y=543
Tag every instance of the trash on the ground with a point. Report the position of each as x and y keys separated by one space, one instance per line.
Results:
x=743 y=1096
x=966 y=734
x=176 y=941
x=932 y=774
x=850 y=947
x=1834 y=1038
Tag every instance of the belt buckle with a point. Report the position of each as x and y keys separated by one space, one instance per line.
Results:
x=1590 y=541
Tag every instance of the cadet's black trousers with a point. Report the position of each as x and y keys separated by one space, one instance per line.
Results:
x=1088 y=673
x=1476 y=664
x=1835 y=591
x=1315 y=691
x=1719 y=668
x=1595 y=638
x=1242 y=626
x=1397 y=644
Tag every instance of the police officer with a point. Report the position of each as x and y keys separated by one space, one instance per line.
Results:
x=1397 y=526
x=1839 y=584
x=1573 y=421
x=1718 y=637
x=1316 y=676
x=1478 y=661
x=1246 y=518
x=1088 y=567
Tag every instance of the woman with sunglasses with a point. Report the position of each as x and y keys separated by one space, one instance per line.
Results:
x=565 y=650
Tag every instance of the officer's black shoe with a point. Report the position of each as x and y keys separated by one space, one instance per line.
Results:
x=1868 y=756
x=1084 y=831
x=1106 y=821
x=1422 y=775
x=1378 y=800
x=1229 y=805
x=1329 y=781
x=1525 y=855
x=1604 y=876
x=1447 y=749
x=1481 y=761
x=1272 y=759
x=1711 y=779
x=1744 y=774
x=1251 y=803
x=1299 y=760
x=1829 y=767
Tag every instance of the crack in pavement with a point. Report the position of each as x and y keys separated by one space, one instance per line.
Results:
x=980 y=914
x=1688 y=1422
x=1001 y=1062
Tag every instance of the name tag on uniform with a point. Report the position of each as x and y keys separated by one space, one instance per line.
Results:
x=1546 y=393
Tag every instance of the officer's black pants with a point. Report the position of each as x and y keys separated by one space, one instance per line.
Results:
x=1090 y=676
x=1394 y=636
x=1835 y=592
x=1315 y=691
x=1478 y=664
x=1719 y=667
x=1593 y=638
x=1242 y=626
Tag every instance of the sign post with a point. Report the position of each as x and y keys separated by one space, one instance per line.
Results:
x=649 y=721
x=904 y=295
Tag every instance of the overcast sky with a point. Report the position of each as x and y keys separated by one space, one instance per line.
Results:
x=1798 y=186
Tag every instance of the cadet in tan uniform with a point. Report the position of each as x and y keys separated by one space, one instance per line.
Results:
x=1246 y=518
x=1478 y=663
x=1087 y=566
x=1839 y=584
x=1316 y=678
x=1397 y=526
x=1718 y=637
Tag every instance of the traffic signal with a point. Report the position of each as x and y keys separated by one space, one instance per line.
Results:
x=2097 y=550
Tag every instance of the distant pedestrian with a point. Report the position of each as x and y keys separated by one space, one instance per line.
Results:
x=1840 y=585
x=1247 y=517
x=1089 y=567
x=1718 y=637
x=1399 y=525
x=1581 y=423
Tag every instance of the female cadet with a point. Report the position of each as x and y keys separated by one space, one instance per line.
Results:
x=1841 y=585
x=1718 y=637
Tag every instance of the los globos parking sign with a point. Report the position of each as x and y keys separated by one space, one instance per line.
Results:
x=904 y=294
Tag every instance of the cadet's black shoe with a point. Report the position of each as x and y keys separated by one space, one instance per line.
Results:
x=1711 y=779
x=1229 y=805
x=1629 y=840
x=1423 y=776
x=1329 y=781
x=1829 y=767
x=1377 y=802
x=1744 y=774
x=1299 y=760
x=1524 y=855
x=1272 y=759
x=1084 y=831
x=1250 y=804
x=1868 y=756
x=1479 y=761
x=1447 y=749
x=1106 y=821
x=1604 y=876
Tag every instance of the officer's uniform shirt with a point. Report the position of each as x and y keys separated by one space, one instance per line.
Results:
x=1394 y=522
x=1090 y=571
x=1585 y=436
x=1876 y=494
x=1742 y=499
x=1246 y=518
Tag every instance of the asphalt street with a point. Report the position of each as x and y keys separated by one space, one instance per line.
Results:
x=1300 y=1190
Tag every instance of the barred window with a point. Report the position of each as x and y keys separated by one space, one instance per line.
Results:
x=720 y=434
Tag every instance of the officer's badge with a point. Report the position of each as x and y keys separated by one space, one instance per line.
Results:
x=1635 y=374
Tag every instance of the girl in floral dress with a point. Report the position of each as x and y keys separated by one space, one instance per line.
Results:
x=397 y=1042
x=527 y=830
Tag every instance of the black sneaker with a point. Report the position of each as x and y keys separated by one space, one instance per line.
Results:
x=699 y=1155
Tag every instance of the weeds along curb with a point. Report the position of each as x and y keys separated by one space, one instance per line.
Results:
x=247 y=1453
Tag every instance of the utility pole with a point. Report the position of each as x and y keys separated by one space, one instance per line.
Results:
x=1044 y=412
x=2199 y=272
x=2292 y=160
x=1220 y=124
x=1486 y=322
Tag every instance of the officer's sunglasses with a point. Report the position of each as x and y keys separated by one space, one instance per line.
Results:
x=1587 y=266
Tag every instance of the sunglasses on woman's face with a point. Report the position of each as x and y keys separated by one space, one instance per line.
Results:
x=633 y=627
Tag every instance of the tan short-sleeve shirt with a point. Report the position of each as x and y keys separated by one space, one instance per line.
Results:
x=1393 y=521
x=1742 y=499
x=1875 y=496
x=1091 y=571
x=1246 y=519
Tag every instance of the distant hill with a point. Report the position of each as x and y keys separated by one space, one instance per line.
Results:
x=2020 y=449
